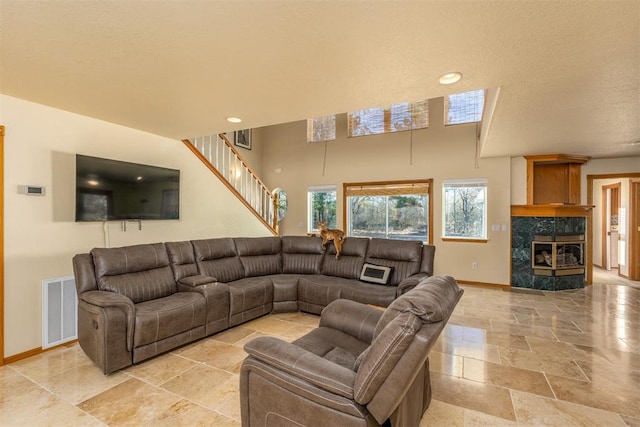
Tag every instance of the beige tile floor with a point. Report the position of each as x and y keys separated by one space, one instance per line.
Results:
x=568 y=358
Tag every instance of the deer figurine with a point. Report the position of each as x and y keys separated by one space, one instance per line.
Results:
x=331 y=234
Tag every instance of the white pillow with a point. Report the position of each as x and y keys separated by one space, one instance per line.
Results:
x=378 y=274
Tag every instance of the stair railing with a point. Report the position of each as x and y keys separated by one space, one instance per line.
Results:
x=220 y=156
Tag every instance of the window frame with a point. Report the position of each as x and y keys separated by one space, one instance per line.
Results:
x=312 y=226
x=470 y=183
x=391 y=184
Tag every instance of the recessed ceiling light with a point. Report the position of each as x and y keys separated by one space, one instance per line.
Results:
x=450 y=78
x=234 y=119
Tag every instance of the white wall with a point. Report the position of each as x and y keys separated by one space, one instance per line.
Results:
x=439 y=152
x=518 y=181
x=40 y=234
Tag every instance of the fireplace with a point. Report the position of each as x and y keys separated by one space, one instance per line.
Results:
x=557 y=255
x=549 y=247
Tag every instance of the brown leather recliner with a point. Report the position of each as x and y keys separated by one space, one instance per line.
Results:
x=361 y=367
x=130 y=307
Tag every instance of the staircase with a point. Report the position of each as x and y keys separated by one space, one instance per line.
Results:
x=219 y=155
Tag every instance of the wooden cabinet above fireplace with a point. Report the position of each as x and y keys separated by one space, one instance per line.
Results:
x=554 y=179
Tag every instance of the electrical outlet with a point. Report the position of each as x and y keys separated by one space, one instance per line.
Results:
x=474 y=265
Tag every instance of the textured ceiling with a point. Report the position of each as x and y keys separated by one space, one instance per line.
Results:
x=568 y=71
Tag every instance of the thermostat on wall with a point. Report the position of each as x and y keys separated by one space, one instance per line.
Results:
x=31 y=190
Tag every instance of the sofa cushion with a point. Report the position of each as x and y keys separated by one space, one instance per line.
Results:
x=428 y=254
x=182 y=258
x=139 y=272
x=432 y=300
x=249 y=298
x=165 y=317
x=218 y=258
x=367 y=293
x=354 y=250
x=260 y=256
x=318 y=290
x=332 y=345
x=405 y=256
x=383 y=355
x=301 y=255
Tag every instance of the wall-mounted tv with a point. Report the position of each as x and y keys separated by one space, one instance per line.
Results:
x=112 y=190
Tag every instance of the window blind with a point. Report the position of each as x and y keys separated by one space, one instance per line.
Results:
x=396 y=118
x=459 y=183
x=321 y=128
x=466 y=107
x=387 y=188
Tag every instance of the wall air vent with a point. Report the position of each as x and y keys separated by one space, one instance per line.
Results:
x=59 y=311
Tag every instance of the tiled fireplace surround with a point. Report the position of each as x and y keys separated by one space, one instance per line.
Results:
x=524 y=230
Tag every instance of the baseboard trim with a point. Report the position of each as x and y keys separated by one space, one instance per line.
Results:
x=485 y=284
x=34 y=352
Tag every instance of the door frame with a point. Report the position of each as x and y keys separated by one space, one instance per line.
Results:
x=634 y=230
x=590 y=178
x=606 y=206
x=1 y=245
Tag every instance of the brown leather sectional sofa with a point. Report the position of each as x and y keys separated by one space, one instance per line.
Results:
x=139 y=301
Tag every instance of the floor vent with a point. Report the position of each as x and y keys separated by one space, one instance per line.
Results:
x=59 y=311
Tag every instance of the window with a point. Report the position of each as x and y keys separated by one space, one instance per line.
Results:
x=397 y=118
x=321 y=128
x=322 y=206
x=391 y=210
x=466 y=107
x=282 y=204
x=464 y=209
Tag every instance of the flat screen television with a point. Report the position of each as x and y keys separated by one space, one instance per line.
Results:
x=112 y=190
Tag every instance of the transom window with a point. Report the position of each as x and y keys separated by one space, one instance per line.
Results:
x=396 y=118
x=321 y=128
x=392 y=210
x=466 y=107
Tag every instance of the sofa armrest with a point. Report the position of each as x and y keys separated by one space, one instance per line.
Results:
x=303 y=364
x=410 y=282
x=197 y=280
x=111 y=299
x=353 y=318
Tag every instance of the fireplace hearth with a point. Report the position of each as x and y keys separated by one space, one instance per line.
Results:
x=560 y=255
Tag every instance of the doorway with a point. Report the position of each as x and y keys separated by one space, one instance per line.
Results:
x=609 y=226
x=614 y=231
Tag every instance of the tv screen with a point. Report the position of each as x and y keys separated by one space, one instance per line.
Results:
x=111 y=190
